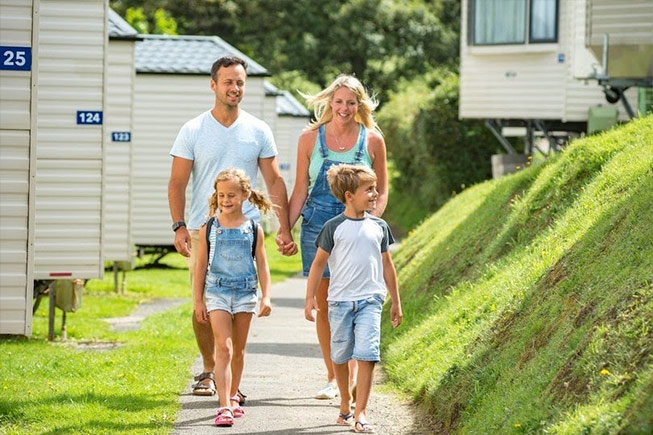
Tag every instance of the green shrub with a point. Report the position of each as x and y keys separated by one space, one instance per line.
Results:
x=435 y=153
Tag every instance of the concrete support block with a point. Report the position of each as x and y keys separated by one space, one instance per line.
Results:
x=503 y=164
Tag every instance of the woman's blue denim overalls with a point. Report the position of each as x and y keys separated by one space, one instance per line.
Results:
x=231 y=279
x=321 y=205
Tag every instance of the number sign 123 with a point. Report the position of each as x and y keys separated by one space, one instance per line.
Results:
x=121 y=136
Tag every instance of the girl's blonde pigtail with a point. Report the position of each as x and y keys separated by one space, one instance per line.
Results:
x=261 y=201
x=213 y=204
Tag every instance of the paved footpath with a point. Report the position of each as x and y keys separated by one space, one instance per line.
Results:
x=283 y=371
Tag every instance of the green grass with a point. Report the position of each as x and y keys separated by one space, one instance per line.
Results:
x=58 y=388
x=528 y=300
x=402 y=212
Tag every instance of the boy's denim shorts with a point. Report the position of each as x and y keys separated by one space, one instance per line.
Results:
x=355 y=329
x=230 y=300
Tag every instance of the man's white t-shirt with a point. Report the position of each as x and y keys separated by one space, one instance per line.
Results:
x=355 y=248
x=213 y=147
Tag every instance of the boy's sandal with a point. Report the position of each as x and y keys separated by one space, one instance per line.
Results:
x=204 y=389
x=224 y=418
x=237 y=411
x=363 y=426
x=343 y=419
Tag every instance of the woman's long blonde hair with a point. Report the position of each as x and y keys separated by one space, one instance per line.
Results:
x=256 y=197
x=321 y=103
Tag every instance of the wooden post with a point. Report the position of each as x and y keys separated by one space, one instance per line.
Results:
x=64 y=334
x=51 y=312
x=124 y=281
x=115 y=277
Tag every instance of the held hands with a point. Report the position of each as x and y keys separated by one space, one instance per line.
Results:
x=285 y=243
x=396 y=315
x=182 y=241
x=200 y=312
x=311 y=304
x=265 y=307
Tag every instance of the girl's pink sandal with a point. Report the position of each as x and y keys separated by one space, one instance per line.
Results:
x=225 y=417
x=237 y=411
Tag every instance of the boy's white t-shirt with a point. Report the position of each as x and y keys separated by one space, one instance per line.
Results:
x=213 y=147
x=355 y=247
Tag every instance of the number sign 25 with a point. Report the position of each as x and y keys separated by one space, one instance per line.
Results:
x=92 y=117
x=15 y=58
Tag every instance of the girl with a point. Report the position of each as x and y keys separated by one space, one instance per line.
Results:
x=224 y=290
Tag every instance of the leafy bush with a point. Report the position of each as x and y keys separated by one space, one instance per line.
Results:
x=435 y=153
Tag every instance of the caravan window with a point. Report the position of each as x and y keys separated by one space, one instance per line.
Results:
x=496 y=22
x=499 y=22
x=544 y=25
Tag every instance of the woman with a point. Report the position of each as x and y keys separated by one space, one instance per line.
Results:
x=344 y=132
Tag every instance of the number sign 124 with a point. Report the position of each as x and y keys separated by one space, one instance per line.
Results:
x=89 y=117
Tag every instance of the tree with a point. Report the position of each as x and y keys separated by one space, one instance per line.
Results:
x=295 y=82
x=379 y=41
x=164 y=23
x=161 y=21
x=137 y=19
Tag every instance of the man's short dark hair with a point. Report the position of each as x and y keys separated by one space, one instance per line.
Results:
x=224 y=62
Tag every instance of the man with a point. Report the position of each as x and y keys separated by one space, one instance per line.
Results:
x=224 y=137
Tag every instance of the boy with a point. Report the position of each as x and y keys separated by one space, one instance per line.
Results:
x=355 y=245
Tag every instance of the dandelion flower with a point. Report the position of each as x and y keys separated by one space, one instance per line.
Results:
x=604 y=372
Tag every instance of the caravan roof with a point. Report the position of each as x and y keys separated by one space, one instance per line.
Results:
x=119 y=28
x=286 y=103
x=164 y=54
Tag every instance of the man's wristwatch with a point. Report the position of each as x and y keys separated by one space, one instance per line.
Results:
x=178 y=225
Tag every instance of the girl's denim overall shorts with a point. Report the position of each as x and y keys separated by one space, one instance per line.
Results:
x=231 y=278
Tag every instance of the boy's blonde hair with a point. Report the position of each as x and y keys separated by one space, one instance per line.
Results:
x=321 y=103
x=347 y=178
x=239 y=176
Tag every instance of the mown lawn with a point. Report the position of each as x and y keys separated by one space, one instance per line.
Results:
x=528 y=301
x=59 y=388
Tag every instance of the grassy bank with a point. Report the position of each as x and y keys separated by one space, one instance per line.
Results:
x=61 y=388
x=527 y=300
x=403 y=212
